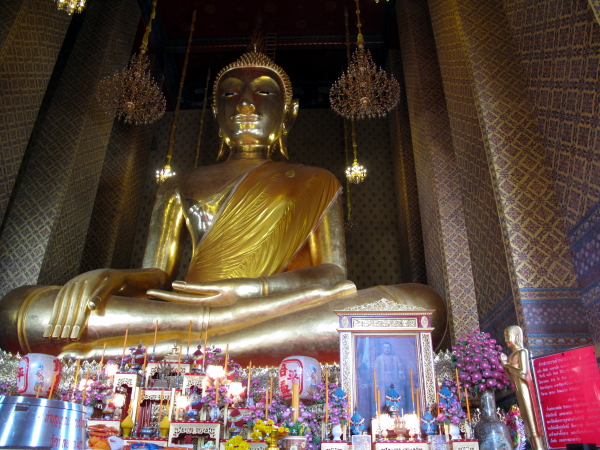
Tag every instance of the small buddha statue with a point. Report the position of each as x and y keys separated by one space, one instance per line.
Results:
x=518 y=370
x=268 y=255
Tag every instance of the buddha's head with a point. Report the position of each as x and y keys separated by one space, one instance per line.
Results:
x=513 y=335
x=253 y=105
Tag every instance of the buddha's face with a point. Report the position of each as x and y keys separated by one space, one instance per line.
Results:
x=250 y=106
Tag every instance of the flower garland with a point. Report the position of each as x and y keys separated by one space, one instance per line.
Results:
x=478 y=362
x=517 y=427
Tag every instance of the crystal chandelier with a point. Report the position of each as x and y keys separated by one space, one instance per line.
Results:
x=356 y=173
x=132 y=96
x=70 y=6
x=363 y=90
x=163 y=174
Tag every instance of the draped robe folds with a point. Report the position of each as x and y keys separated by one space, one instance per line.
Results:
x=267 y=219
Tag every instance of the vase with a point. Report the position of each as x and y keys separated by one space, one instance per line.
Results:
x=272 y=440
x=294 y=442
x=454 y=431
x=336 y=432
x=490 y=431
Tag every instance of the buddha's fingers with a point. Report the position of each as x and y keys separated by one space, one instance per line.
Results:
x=187 y=299
x=90 y=297
x=195 y=288
x=63 y=299
x=75 y=299
x=55 y=310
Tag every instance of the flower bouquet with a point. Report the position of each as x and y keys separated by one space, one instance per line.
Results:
x=450 y=409
x=478 y=362
x=236 y=443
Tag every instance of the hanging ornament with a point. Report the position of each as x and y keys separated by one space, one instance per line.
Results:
x=363 y=90
x=70 y=6
x=132 y=95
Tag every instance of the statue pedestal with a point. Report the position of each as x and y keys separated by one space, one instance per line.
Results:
x=130 y=379
x=464 y=444
x=401 y=445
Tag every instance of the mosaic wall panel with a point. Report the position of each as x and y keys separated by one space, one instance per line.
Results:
x=488 y=255
x=405 y=178
x=532 y=224
x=444 y=232
x=111 y=232
x=559 y=45
x=31 y=35
x=317 y=139
x=45 y=232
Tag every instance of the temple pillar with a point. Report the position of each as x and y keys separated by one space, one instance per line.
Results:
x=44 y=232
x=112 y=229
x=31 y=35
x=405 y=180
x=445 y=239
x=475 y=44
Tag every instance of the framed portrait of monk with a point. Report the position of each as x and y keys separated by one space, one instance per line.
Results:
x=386 y=351
x=385 y=364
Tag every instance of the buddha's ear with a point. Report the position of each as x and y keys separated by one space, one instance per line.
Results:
x=291 y=114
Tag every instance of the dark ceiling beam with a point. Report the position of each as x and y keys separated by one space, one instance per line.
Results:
x=158 y=40
x=207 y=45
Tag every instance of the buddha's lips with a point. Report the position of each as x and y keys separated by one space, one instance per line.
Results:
x=240 y=118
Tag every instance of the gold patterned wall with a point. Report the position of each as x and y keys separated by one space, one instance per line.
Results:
x=317 y=139
x=495 y=303
x=540 y=265
x=45 y=232
x=558 y=43
x=31 y=35
x=444 y=232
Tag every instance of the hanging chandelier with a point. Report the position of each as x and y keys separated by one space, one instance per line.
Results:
x=132 y=95
x=356 y=173
x=363 y=90
x=70 y=6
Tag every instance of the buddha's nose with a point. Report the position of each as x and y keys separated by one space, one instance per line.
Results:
x=245 y=107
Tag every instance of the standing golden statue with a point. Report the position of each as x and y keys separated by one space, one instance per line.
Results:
x=518 y=370
x=268 y=265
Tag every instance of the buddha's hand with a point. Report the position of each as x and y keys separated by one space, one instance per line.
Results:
x=214 y=293
x=503 y=358
x=74 y=301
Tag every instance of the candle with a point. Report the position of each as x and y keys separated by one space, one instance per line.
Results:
x=378 y=405
x=205 y=350
x=249 y=379
x=227 y=363
x=76 y=374
x=326 y=396
x=125 y=344
x=418 y=406
x=52 y=387
x=160 y=405
x=375 y=387
x=437 y=399
x=87 y=377
x=145 y=358
x=189 y=336
x=155 y=334
x=179 y=360
x=217 y=392
x=412 y=390
x=271 y=390
x=457 y=384
x=139 y=407
x=267 y=405
x=468 y=407
x=296 y=401
x=101 y=360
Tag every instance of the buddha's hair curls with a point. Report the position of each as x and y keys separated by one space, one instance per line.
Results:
x=257 y=59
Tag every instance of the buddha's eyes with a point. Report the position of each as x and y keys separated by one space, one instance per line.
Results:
x=228 y=94
x=264 y=92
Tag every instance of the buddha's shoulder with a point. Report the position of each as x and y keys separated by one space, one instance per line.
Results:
x=291 y=170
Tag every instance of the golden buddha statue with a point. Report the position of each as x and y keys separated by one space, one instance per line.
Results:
x=268 y=266
x=519 y=372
